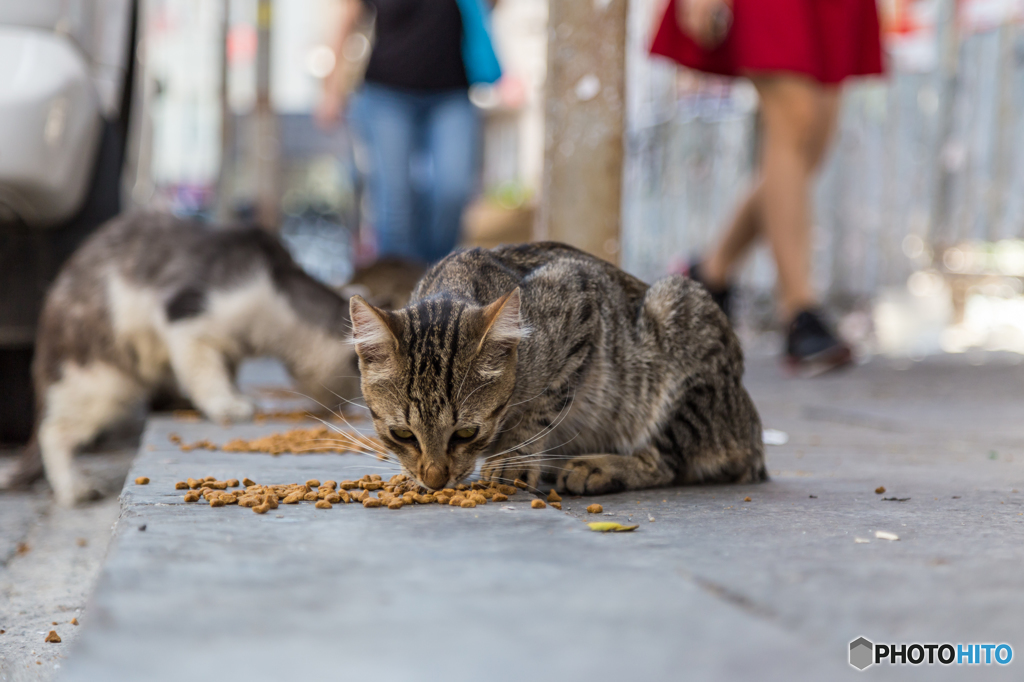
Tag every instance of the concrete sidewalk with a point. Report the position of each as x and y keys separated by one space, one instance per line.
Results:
x=709 y=587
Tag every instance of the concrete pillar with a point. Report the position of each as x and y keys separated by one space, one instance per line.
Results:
x=224 y=192
x=266 y=142
x=584 y=122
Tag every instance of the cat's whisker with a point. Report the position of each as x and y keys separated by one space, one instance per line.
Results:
x=346 y=400
x=536 y=456
x=522 y=415
x=347 y=439
x=354 y=448
x=364 y=447
x=354 y=434
x=511 y=481
x=352 y=452
x=339 y=414
x=543 y=432
x=348 y=444
x=522 y=402
x=461 y=384
x=472 y=392
x=328 y=409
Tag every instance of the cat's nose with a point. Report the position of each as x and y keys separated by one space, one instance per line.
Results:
x=435 y=475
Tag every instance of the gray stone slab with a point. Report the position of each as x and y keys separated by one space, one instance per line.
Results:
x=713 y=588
x=17 y=513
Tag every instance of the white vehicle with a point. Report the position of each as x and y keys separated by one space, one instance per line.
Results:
x=65 y=84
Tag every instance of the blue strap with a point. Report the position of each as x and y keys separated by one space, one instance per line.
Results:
x=477 y=49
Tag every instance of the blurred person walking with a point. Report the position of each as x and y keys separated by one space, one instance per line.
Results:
x=797 y=53
x=414 y=119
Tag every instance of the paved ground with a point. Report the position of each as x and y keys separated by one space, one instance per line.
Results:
x=712 y=588
x=49 y=561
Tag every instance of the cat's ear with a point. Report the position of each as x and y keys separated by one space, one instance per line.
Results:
x=503 y=330
x=502 y=322
x=373 y=332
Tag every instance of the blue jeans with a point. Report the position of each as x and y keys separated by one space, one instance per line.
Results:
x=423 y=152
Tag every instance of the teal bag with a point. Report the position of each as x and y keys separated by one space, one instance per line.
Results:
x=477 y=50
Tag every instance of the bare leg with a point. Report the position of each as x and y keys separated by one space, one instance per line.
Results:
x=741 y=234
x=83 y=403
x=799 y=118
x=203 y=372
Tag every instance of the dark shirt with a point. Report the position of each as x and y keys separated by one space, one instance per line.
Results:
x=417 y=44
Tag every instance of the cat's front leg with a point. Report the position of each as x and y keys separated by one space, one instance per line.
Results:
x=602 y=474
x=508 y=467
x=202 y=370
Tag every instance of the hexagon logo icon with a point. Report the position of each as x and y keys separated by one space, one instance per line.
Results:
x=861 y=653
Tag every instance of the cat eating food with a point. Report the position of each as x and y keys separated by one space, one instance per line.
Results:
x=550 y=364
x=153 y=304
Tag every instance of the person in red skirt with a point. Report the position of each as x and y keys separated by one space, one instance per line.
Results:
x=797 y=53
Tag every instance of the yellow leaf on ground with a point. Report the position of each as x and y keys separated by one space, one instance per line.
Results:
x=609 y=527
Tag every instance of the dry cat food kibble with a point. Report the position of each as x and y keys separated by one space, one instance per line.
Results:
x=296 y=441
x=53 y=637
x=595 y=509
x=538 y=504
x=142 y=480
x=553 y=496
x=204 y=444
x=370 y=490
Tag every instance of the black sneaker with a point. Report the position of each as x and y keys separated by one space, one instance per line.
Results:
x=722 y=297
x=812 y=348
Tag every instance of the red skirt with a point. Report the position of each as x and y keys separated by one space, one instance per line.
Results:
x=828 y=40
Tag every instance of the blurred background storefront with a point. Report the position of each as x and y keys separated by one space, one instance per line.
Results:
x=918 y=211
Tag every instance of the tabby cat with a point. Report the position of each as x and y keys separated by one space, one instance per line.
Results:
x=155 y=304
x=555 y=366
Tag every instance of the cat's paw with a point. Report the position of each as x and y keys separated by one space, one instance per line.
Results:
x=76 y=490
x=510 y=467
x=593 y=475
x=229 y=409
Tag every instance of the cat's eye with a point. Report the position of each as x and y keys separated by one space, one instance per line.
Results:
x=403 y=435
x=466 y=434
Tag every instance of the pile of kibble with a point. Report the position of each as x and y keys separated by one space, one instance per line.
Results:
x=296 y=441
x=371 y=491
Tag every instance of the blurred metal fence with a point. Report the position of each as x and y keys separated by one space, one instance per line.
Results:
x=928 y=157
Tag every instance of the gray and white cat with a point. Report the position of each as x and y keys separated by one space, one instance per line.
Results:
x=155 y=304
x=554 y=365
